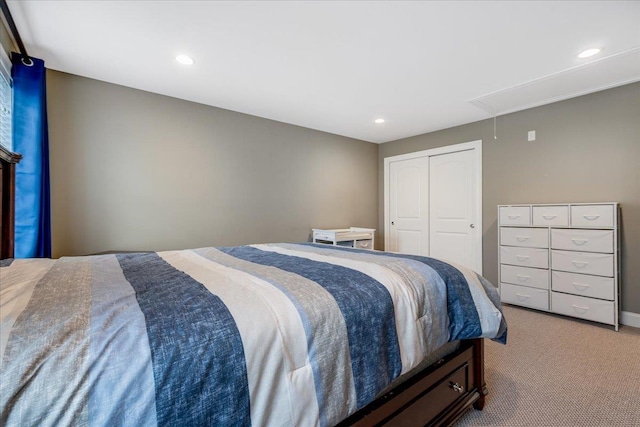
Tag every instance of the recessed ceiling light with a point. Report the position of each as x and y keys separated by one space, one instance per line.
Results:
x=589 y=52
x=184 y=59
x=379 y=121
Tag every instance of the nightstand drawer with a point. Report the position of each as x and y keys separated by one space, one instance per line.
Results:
x=526 y=237
x=583 y=285
x=323 y=236
x=592 y=215
x=515 y=215
x=551 y=215
x=582 y=262
x=585 y=308
x=524 y=257
x=582 y=240
x=533 y=277
x=522 y=295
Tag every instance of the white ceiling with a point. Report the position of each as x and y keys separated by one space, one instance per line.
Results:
x=337 y=66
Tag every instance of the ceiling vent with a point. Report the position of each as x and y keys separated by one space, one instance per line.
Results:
x=605 y=73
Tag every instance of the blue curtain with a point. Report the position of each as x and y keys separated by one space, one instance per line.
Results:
x=31 y=139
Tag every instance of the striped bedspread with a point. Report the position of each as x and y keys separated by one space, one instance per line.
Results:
x=270 y=334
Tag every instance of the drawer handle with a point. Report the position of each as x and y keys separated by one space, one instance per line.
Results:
x=522 y=238
x=364 y=244
x=523 y=278
x=522 y=257
x=514 y=216
x=456 y=387
x=580 y=264
x=580 y=286
x=522 y=297
x=549 y=216
x=580 y=308
x=591 y=217
x=579 y=242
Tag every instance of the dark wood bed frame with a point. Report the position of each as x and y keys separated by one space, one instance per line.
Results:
x=8 y=163
x=436 y=396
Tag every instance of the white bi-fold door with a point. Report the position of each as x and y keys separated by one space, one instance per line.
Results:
x=433 y=204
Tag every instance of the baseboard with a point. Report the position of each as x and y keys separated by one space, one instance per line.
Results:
x=630 y=319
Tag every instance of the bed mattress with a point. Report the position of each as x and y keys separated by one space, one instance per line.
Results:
x=269 y=334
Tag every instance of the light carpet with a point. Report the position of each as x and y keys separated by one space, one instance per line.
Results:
x=558 y=371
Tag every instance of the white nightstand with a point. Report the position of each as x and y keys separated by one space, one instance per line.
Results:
x=354 y=237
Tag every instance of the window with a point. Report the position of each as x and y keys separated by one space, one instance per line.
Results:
x=5 y=100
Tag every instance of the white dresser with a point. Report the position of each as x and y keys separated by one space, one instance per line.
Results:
x=355 y=237
x=561 y=258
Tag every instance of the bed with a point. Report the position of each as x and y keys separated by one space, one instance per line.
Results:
x=268 y=334
x=8 y=161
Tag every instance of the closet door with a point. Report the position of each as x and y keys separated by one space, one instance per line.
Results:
x=452 y=201
x=409 y=227
x=433 y=203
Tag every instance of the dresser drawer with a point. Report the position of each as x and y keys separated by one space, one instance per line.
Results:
x=527 y=237
x=592 y=215
x=364 y=244
x=582 y=262
x=583 y=285
x=524 y=257
x=522 y=295
x=534 y=277
x=551 y=215
x=585 y=308
x=515 y=215
x=582 y=240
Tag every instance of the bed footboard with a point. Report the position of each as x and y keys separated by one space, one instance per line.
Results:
x=437 y=396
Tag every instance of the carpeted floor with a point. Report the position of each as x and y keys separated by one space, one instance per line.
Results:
x=557 y=371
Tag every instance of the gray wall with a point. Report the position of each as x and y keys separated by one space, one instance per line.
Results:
x=587 y=150
x=5 y=39
x=131 y=170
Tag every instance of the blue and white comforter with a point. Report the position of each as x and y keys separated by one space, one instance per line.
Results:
x=273 y=334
